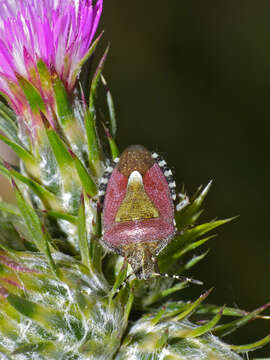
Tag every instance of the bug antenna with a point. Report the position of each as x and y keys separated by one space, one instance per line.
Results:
x=184 y=278
x=181 y=278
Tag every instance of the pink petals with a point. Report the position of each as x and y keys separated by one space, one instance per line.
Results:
x=57 y=32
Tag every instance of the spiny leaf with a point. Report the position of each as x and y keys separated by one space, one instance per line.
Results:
x=48 y=318
x=119 y=279
x=170 y=309
x=128 y=305
x=110 y=103
x=45 y=196
x=29 y=348
x=96 y=251
x=44 y=349
x=61 y=215
x=32 y=95
x=49 y=171
x=8 y=124
x=70 y=126
x=7 y=112
x=193 y=306
x=195 y=259
x=82 y=236
x=158 y=316
x=47 y=251
x=178 y=245
x=225 y=329
x=11 y=284
x=45 y=76
x=113 y=147
x=34 y=226
x=60 y=151
x=214 y=309
x=88 y=184
x=112 y=143
x=199 y=230
x=95 y=81
x=86 y=57
x=64 y=110
x=23 y=154
x=94 y=151
x=183 y=243
x=190 y=213
x=200 y=330
x=251 y=347
x=192 y=246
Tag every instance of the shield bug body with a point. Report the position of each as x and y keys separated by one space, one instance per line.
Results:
x=138 y=211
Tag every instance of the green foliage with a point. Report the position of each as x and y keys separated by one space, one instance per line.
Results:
x=62 y=296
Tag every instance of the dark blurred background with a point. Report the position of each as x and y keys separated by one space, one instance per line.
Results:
x=191 y=80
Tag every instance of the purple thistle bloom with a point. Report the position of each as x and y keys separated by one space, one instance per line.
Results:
x=56 y=31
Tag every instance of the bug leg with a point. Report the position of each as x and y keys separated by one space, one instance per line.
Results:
x=126 y=280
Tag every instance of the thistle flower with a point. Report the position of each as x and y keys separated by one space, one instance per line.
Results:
x=59 y=33
x=61 y=295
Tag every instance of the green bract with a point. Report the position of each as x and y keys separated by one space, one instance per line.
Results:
x=61 y=295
